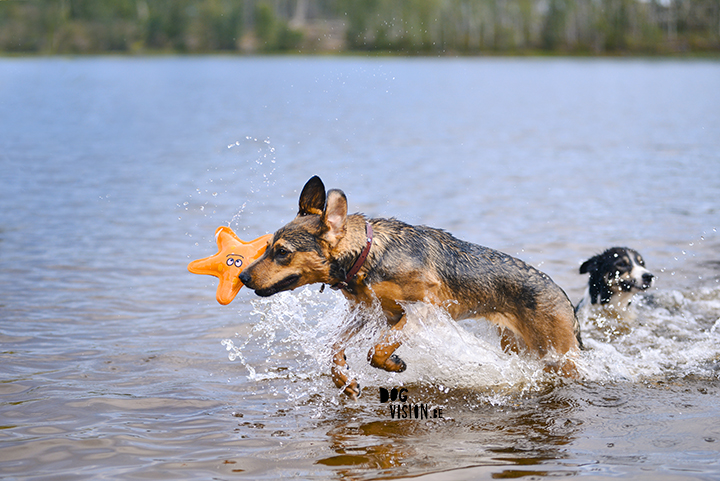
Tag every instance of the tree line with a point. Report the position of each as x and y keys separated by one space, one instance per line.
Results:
x=432 y=27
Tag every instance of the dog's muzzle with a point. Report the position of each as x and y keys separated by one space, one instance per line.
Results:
x=642 y=284
x=246 y=280
x=286 y=284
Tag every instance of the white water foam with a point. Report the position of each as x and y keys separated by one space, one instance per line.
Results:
x=675 y=334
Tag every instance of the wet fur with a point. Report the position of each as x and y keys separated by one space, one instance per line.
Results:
x=616 y=276
x=412 y=263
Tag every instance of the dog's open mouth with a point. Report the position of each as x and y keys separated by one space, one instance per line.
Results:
x=632 y=284
x=285 y=284
x=628 y=285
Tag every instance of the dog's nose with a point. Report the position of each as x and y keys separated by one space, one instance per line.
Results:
x=244 y=278
x=647 y=278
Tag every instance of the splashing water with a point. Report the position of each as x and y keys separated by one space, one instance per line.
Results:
x=292 y=340
x=248 y=169
x=259 y=172
x=675 y=334
x=303 y=326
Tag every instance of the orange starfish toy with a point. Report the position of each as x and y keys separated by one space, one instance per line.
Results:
x=233 y=256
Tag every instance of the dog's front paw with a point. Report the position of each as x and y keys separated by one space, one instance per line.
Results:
x=395 y=363
x=381 y=360
x=341 y=379
x=352 y=390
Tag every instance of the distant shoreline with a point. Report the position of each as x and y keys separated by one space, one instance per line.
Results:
x=712 y=56
x=407 y=28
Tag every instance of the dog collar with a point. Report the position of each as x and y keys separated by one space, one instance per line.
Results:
x=359 y=262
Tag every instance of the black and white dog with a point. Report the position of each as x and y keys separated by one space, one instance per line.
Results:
x=616 y=276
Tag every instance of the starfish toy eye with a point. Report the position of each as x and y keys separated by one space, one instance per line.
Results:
x=229 y=262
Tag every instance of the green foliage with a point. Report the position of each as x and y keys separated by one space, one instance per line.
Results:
x=272 y=33
x=402 y=26
x=554 y=25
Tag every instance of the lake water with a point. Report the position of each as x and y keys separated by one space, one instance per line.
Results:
x=115 y=362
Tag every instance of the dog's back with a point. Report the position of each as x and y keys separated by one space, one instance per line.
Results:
x=470 y=280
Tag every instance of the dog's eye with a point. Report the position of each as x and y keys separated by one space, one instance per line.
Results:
x=281 y=252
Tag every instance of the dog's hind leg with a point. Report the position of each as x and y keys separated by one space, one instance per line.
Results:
x=383 y=356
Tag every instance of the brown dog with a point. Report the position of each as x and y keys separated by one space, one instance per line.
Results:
x=392 y=262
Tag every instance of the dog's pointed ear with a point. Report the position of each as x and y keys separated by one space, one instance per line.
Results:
x=335 y=216
x=312 y=198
